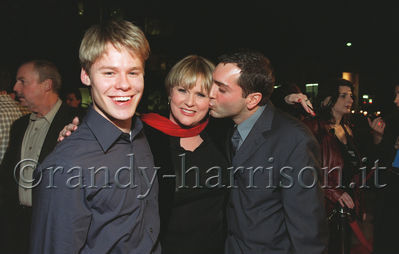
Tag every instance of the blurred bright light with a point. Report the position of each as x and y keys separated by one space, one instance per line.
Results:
x=365 y=113
x=315 y=84
x=353 y=111
x=348 y=44
x=365 y=96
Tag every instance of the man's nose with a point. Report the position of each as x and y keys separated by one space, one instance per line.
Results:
x=16 y=87
x=212 y=93
x=122 y=83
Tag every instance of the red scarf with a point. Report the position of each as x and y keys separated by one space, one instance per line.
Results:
x=166 y=126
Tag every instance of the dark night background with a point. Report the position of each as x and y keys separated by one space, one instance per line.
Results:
x=305 y=42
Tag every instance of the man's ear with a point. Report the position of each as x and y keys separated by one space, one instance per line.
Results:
x=253 y=100
x=84 y=77
x=48 y=84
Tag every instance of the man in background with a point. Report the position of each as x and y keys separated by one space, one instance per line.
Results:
x=10 y=110
x=32 y=138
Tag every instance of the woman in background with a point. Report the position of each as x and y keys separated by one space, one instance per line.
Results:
x=340 y=156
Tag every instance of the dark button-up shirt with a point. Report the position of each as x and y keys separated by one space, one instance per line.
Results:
x=97 y=193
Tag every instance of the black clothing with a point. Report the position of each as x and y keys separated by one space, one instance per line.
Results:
x=97 y=212
x=386 y=223
x=16 y=219
x=192 y=219
x=340 y=231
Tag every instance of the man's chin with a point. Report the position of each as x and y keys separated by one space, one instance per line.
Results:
x=214 y=114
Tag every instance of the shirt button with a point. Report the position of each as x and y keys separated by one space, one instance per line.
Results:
x=36 y=129
x=30 y=148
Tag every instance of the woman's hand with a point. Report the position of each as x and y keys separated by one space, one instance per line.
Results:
x=302 y=99
x=346 y=200
x=68 y=129
x=378 y=127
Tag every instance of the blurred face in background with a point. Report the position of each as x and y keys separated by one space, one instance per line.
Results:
x=72 y=101
x=396 y=101
x=343 y=105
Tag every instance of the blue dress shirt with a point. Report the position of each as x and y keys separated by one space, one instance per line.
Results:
x=97 y=193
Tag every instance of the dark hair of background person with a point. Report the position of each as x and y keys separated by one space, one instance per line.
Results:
x=75 y=91
x=257 y=74
x=328 y=88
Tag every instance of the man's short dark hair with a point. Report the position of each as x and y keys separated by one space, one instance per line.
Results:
x=256 y=72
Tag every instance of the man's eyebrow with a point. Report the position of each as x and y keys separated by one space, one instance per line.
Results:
x=218 y=83
x=109 y=67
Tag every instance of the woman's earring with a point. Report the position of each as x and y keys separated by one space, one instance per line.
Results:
x=169 y=101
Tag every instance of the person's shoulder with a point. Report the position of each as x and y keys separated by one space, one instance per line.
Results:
x=22 y=121
x=151 y=132
x=79 y=140
x=291 y=127
x=286 y=121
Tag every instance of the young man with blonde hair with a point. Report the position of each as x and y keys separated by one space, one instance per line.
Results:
x=97 y=192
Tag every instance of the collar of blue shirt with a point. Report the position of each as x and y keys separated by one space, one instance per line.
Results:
x=106 y=132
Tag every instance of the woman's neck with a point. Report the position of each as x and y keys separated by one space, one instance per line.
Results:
x=337 y=118
x=190 y=143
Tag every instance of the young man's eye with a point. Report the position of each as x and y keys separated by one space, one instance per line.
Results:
x=108 y=73
x=221 y=90
x=133 y=73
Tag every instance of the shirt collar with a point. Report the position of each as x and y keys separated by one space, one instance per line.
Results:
x=50 y=115
x=245 y=127
x=107 y=133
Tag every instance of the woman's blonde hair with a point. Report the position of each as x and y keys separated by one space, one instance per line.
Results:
x=186 y=72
